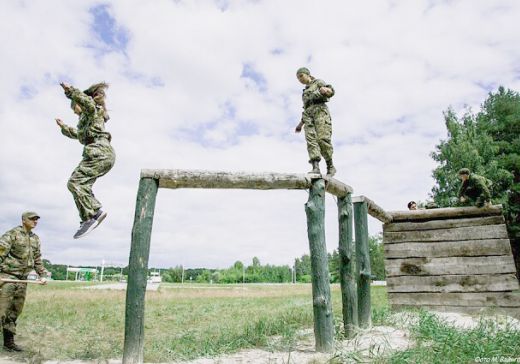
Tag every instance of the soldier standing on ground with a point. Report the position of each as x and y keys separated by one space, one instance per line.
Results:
x=474 y=188
x=316 y=120
x=19 y=255
x=98 y=154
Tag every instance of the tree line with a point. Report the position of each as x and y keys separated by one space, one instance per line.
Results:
x=242 y=273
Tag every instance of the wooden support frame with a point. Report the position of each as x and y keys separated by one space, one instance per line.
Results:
x=321 y=297
x=374 y=209
x=363 y=270
x=347 y=252
x=138 y=271
x=152 y=180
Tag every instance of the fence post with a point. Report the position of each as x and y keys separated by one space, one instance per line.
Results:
x=321 y=298
x=138 y=271
x=346 y=266
x=363 y=263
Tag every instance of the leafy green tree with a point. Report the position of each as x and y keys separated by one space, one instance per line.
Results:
x=334 y=266
x=204 y=276
x=488 y=143
x=238 y=265
x=172 y=275
x=58 y=271
x=377 y=256
x=467 y=146
x=303 y=267
x=256 y=262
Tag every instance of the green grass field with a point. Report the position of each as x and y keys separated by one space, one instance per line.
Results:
x=62 y=321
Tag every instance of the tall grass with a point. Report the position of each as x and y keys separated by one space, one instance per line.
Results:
x=64 y=321
x=439 y=342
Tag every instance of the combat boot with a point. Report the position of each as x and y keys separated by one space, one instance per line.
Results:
x=331 y=171
x=315 y=167
x=9 y=343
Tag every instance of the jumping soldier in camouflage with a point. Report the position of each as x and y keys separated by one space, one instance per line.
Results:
x=19 y=255
x=317 y=121
x=98 y=154
x=474 y=188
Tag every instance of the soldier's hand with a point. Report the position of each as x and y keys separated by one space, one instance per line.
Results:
x=59 y=122
x=43 y=281
x=325 y=91
x=65 y=86
x=463 y=199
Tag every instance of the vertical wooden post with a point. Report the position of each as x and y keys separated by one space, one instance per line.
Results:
x=363 y=264
x=321 y=298
x=346 y=266
x=138 y=271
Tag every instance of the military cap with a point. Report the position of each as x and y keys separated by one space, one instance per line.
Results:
x=29 y=215
x=464 y=171
x=303 y=70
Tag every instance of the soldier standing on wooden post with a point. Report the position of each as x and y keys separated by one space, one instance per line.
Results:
x=474 y=188
x=98 y=154
x=19 y=255
x=317 y=121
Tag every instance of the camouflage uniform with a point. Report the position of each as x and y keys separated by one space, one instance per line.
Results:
x=19 y=254
x=98 y=154
x=317 y=121
x=475 y=189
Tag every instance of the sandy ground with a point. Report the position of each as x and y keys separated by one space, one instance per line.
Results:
x=377 y=340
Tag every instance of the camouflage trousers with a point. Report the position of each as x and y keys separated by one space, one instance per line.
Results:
x=318 y=132
x=98 y=159
x=12 y=299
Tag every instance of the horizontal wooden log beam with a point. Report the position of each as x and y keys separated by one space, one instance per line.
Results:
x=501 y=299
x=452 y=265
x=453 y=283
x=374 y=209
x=466 y=248
x=442 y=213
x=443 y=224
x=454 y=234
x=177 y=178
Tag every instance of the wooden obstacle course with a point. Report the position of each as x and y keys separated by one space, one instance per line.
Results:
x=451 y=259
x=152 y=180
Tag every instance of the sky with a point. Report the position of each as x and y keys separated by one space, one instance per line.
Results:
x=212 y=85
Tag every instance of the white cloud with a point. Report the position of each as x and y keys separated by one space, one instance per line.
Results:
x=395 y=67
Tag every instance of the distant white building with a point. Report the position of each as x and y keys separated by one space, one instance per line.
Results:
x=82 y=274
x=155 y=277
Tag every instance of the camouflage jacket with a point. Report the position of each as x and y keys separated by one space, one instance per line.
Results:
x=20 y=253
x=475 y=187
x=311 y=93
x=91 y=125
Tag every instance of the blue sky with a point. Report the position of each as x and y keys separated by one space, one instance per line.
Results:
x=211 y=85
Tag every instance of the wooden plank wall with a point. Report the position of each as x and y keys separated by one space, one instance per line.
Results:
x=451 y=263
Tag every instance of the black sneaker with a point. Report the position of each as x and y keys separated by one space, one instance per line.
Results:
x=85 y=228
